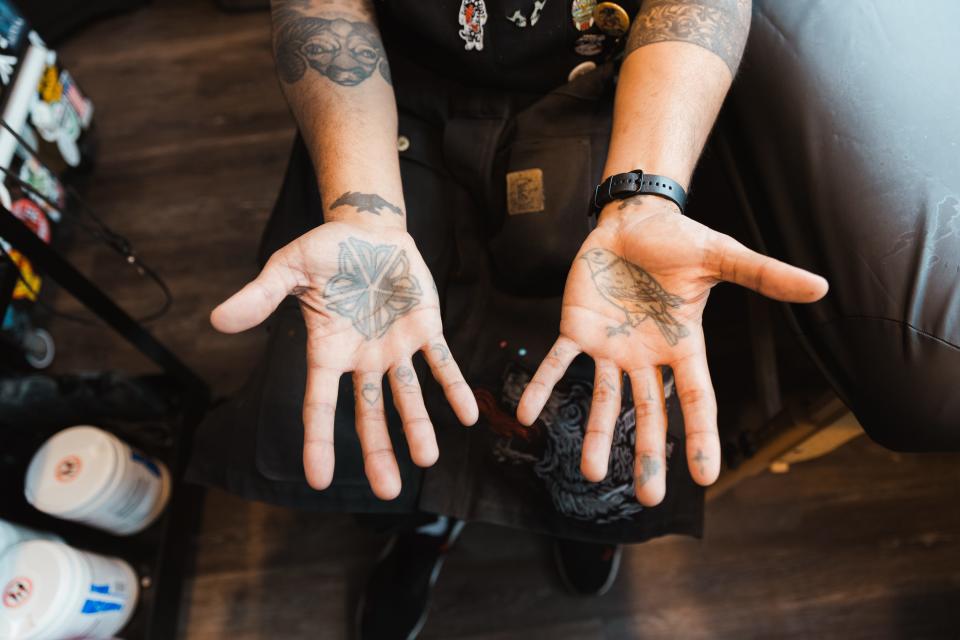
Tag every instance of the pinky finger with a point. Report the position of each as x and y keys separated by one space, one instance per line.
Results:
x=699 y=406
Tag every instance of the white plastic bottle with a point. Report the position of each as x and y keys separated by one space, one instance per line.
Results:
x=11 y=534
x=87 y=475
x=52 y=591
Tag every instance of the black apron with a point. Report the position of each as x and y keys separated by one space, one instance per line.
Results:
x=500 y=278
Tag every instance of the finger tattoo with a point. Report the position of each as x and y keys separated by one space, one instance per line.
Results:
x=443 y=353
x=701 y=461
x=370 y=393
x=405 y=375
x=649 y=467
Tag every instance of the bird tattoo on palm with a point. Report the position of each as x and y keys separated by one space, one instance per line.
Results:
x=636 y=293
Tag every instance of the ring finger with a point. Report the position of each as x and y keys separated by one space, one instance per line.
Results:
x=650 y=478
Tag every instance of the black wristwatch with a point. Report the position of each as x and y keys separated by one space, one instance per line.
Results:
x=624 y=185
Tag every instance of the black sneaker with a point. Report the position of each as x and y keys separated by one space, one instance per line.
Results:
x=587 y=568
x=396 y=599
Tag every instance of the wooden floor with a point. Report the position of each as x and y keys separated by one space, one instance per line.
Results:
x=862 y=544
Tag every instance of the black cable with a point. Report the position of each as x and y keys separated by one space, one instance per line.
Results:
x=103 y=232
x=115 y=241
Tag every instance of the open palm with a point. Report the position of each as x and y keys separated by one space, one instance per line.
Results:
x=369 y=304
x=633 y=301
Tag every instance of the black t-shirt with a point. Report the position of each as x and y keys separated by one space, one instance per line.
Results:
x=536 y=58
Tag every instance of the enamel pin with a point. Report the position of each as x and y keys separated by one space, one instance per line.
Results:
x=611 y=18
x=582 y=13
x=589 y=44
x=473 y=15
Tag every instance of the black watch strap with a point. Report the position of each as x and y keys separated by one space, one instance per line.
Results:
x=625 y=185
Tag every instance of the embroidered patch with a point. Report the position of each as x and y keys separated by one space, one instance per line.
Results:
x=525 y=191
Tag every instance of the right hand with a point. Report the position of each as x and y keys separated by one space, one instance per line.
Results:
x=369 y=303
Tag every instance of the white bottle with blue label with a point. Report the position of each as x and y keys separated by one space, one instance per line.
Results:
x=11 y=534
x=52 y=591
x=88 y=475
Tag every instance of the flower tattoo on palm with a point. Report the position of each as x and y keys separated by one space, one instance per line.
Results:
x=372 y=287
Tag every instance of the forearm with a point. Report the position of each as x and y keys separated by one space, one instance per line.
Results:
x=681 y=57
x=334 y=73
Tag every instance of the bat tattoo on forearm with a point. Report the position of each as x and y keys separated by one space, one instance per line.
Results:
x=368 y=202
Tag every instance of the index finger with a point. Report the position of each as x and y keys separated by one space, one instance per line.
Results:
x=548 y=374
x=768 y=276
x=319 y=408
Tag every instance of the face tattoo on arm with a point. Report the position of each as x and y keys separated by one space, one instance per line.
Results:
x=344 y=51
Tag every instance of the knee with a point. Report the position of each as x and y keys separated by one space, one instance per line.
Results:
x=900 y=382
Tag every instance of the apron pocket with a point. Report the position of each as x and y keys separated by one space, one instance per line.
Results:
x=548 y=188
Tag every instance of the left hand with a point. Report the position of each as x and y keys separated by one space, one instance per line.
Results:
x=633 y=301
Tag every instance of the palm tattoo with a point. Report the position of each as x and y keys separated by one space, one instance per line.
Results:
x=373 y=286
x=636 y=293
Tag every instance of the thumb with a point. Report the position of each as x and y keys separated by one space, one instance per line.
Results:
x=255 y=302
x=768 y=276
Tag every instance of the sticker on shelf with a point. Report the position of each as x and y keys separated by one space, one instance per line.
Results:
x=25 y=290
x=49 y=87
x=57 y=122
x=9 y=319
x=35 y=39
x=30 y=214
x=12 y=26
x=75 y=98
x=7 y=64
x=37 y=176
